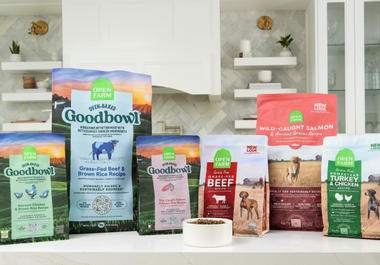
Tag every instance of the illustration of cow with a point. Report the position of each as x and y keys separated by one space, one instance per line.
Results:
x=103 y=148
x=220 y=198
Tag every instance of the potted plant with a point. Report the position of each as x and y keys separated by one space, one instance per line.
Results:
x=285 y=42
x=15 y=52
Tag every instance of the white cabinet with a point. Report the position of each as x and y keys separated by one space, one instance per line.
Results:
x=177 y=42
x=344 y=41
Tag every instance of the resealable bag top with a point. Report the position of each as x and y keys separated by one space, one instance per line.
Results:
x=296 y=125
x=350 y=186
x=33 y=190
x=169 y=169
x=101 y=113
x=232 y=182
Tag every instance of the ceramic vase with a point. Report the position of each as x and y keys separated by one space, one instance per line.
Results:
x=15 y=58
x=285 y=52
x=265 y=76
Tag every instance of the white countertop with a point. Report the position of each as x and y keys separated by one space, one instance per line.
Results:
x=276 y=247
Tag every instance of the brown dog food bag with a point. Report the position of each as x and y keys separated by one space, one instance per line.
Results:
x=296 y=125
x=232 y=182
x=350 y=186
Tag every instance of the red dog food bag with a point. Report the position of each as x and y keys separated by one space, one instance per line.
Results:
x=296 y=125
x=232 y=182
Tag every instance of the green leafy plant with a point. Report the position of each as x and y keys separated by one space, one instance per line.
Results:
x=285 y=41
x=15 y=48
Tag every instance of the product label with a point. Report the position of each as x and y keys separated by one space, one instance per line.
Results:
x=31 y=198
x=101 y=153
x=171 y=189
x=220 y=183
x=343 y=195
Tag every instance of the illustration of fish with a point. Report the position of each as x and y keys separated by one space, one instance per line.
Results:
x=168 y=187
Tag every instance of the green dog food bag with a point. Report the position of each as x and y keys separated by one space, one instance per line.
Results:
x=101 y=113
x=33 y=188
x=350 y=186
x=169 y=169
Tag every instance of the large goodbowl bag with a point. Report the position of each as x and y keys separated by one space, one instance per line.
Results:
x=101 y=113
x=33 y=188
x=232 y=182
x=296 y=125
x=351 y=186
x=169 y=169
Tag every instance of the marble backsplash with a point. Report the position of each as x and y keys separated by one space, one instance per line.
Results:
x=196 y=113
x=200 y=116
x=16 y=28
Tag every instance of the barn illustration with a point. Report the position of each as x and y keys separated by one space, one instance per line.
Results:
x=252 y=181
x=374 y=178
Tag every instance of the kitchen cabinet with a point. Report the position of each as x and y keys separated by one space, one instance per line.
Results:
x=344 y=50
x=177 y=42
x=42 y=67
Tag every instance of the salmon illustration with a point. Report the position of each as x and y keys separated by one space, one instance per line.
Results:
x=168 y=187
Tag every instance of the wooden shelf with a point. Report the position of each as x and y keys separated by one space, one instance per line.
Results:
x=27 y=97
x=30 y=67
x=263 y=63
x=27 y=127
x=252 y=93
x=245 y=124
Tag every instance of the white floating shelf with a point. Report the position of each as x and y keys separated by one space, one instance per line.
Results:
x=252 y=93
x=27 y=97
x=245 y=124
x=27 y=127
x=30 y=67
x=263 y=63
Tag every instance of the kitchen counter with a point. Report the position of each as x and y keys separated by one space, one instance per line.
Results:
x=276 y=247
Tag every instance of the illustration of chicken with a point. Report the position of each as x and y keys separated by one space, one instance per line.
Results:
x=338 y=197
x=168 y=187
x=18 y=195
x=32 y=192
x=348 y=198
x=44 y=194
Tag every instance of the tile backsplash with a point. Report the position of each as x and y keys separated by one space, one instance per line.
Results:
x=200 y=116
x=196 y=113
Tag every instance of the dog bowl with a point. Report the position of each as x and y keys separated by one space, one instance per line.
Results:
x=207 y=236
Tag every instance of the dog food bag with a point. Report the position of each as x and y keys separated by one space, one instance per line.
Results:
x=351 y=186
x=232 y=182
x=169 y=169
x=101 y=113
x=296 y=125
x=33 y=188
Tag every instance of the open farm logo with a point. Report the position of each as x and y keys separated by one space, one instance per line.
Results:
x=102 y=89
x=345 y=158
x=295 y=116
x=320 y=107
x=251 y=149
x=29 y=153
x=375 y=147
x=168 y=153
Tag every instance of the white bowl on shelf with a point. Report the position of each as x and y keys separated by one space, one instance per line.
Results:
x=207 y=236
x=42 y=84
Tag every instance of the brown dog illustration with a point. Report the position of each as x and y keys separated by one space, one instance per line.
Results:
x=293 y=169
x=247 y=204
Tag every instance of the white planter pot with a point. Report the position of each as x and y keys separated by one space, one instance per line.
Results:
x=265 y=76
x=15 y=58
x=285 y=52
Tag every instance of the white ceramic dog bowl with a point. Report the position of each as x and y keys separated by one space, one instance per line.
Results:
x=207 y=236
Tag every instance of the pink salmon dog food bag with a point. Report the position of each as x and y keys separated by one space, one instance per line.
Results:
x=296 y=125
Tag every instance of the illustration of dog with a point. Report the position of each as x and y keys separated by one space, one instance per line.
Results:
x=247 y=204
x=293 y=169
x=373 y=203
